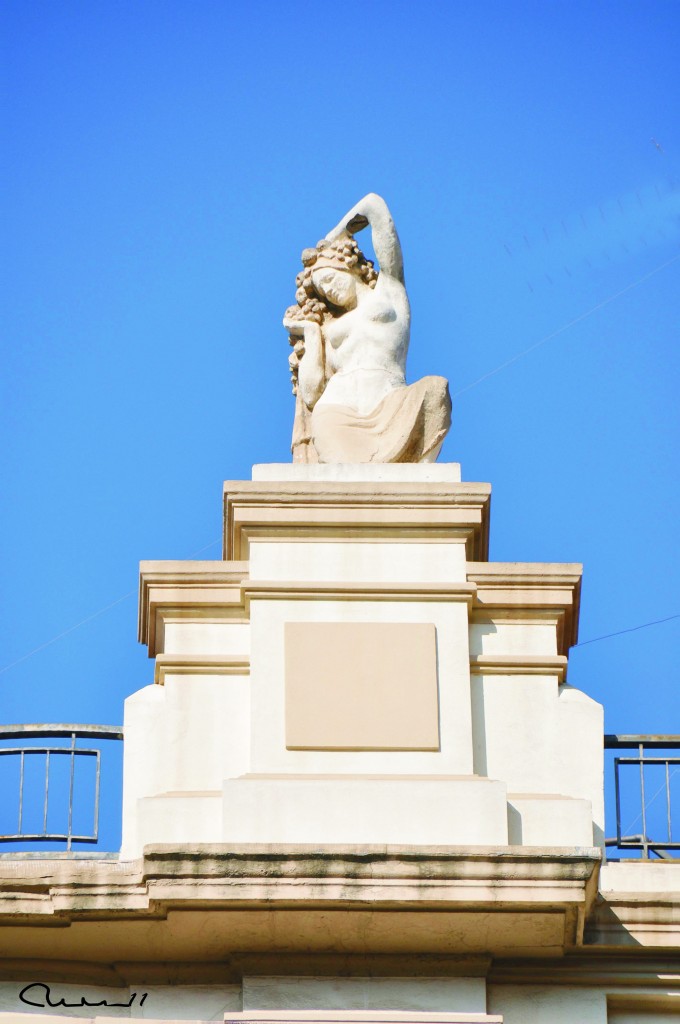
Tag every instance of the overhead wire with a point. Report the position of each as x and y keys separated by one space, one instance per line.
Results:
x=631 y=629
x=565 y=327
x=456 y=394
x=648 y=803
x=89 y=618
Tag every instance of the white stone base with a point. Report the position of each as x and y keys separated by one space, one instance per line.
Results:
x=359 y=472
x=546 y=820
x=363 y=809
x=179 y=818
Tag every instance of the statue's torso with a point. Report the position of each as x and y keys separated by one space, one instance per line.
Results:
x=366 y=349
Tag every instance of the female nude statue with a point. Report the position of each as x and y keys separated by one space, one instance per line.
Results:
x=350 y=331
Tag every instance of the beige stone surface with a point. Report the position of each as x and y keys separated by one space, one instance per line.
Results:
x=273 y=607
x=408 y=424
x=361 y=686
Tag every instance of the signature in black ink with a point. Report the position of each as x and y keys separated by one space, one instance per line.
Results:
x=47 y=998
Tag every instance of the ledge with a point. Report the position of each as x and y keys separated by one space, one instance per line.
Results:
x=326 y=508
x=200 y=665
x=294 y=590
x=519 y=664
x=173 y=584
x=523 y=883
x=384 y=900
x=639 y=905
x=534 y=587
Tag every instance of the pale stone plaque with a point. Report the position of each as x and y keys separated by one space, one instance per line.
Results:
x=361 y=686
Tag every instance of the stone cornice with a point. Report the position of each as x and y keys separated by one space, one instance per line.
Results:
x=531 y=587
x=594 y=968
x=208 y=584
x=290 y=590
x=639 y=905
x=501 y=902
x=217 y=874
x=200 y=665
x=519 y=664
x=285 y=509
x=645 y=919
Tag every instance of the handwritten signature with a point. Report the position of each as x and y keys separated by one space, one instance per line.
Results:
x=47 y=998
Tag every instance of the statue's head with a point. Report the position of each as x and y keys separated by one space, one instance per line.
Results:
x=339 y=287
x=329 y=282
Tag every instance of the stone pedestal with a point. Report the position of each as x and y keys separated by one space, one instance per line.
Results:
x=356 y=671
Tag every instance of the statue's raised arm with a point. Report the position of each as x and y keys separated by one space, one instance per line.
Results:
x=373 y=210
x=350 y=334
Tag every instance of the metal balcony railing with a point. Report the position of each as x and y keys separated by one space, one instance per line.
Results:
x=645 y=798
x=33 y=786
x=644 y=794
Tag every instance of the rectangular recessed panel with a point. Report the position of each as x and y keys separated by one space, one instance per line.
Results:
x=361 y=686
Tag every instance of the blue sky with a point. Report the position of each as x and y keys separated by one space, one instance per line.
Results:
x=164 y=165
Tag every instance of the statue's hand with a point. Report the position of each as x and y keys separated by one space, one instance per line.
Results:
x=300 y=328
x=295 y=327
x=357 y=223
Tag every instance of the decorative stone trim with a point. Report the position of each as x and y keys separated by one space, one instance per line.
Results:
x=199 y=899
x=613 y=972
x=519 y=664
x=390 y=507
x=534 y=589
x=285 y=590
x=200 y=665
x=179 y=585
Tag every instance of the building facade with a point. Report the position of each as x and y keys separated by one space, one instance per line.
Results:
x=360 y=788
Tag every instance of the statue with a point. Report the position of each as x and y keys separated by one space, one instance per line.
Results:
x=350 y=333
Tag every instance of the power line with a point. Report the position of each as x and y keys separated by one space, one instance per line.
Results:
x=491 y=373
x=565 y=327
x=649 y=802
x=632 y=629
x=66 y=632
x=89 y=618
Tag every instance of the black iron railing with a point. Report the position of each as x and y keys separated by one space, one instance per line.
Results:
x=37 y=787
x=644 y=794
